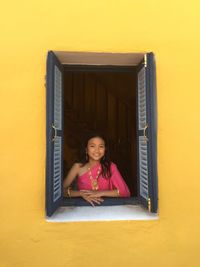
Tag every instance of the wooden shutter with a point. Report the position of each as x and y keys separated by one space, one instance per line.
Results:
x=147 y=134
x=54 y=134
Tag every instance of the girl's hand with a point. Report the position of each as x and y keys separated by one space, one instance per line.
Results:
x=90 y=197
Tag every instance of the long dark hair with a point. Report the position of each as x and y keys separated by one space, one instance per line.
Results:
x=105 y=161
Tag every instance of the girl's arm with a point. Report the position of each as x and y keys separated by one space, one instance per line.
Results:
x=68 y=181
x=71 y=175
x=117 y=182
x=110 y=193
x=88 y=197
x=104 y=193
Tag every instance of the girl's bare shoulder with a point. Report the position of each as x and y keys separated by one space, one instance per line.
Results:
x=83 y=168
x=76 y=166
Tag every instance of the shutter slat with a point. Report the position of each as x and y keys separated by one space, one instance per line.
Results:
x=143 y=167
x=57 y=98
x=57 y=167
x=141 y=99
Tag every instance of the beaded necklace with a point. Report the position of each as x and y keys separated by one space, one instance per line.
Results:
x=94 y=181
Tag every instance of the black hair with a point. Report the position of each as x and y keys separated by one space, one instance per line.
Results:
x=105 y=161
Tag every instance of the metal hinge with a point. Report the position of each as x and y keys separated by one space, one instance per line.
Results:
x=145 y=60
x=149 y=204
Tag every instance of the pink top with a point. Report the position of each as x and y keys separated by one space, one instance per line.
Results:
x=114 y=182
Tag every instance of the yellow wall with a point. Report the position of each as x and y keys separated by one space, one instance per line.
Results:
x=28 y=29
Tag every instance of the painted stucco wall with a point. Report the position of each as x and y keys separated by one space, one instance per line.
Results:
x=28 y=29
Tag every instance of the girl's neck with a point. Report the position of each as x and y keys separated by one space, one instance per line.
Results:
x=92 y=163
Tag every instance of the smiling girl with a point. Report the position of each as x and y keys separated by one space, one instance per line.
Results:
x=97 y=176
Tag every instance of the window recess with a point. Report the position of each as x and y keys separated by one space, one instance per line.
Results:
x=138 y=118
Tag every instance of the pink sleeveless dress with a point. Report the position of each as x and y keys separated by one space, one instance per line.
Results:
x=114 y=182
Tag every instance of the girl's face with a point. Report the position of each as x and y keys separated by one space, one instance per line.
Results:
x=95 y=148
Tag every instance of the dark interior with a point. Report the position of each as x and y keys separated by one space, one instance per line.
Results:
x=102 y=99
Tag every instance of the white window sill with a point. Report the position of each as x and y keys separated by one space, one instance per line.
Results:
x=103 y=213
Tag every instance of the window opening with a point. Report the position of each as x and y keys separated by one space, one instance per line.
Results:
x=110 y=96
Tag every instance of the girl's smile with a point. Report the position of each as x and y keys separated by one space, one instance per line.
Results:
x=95 y=148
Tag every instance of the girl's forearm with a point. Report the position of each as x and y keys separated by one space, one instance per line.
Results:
x=110 y=193
x=105 y=193
x=72 y=193
x=75 y=193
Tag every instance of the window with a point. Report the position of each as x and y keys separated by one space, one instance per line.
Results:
x=135 y=109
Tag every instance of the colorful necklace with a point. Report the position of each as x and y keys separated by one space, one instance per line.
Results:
x=94 y=181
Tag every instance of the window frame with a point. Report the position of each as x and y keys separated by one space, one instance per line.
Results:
x=116 y=60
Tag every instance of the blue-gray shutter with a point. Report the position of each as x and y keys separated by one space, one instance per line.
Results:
x=54 y=134
x=147 y=134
